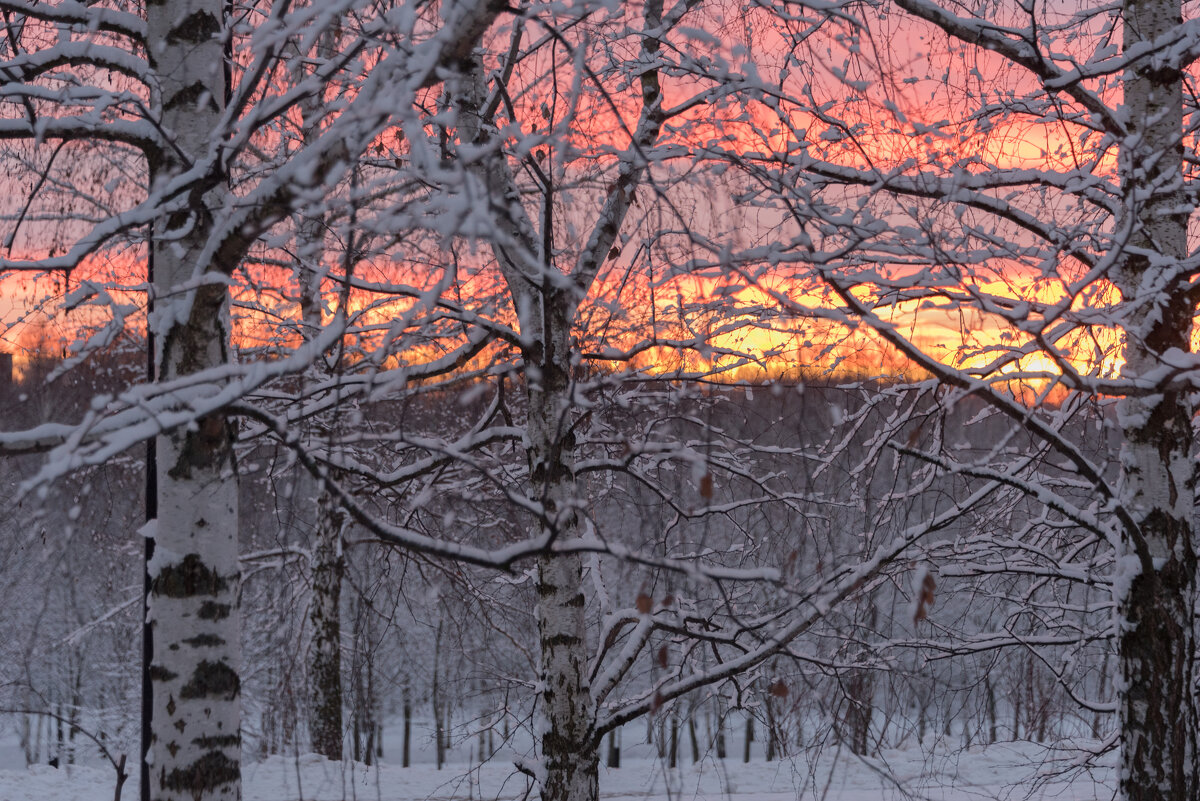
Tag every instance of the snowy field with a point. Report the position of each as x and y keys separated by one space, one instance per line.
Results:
x=1009 y=771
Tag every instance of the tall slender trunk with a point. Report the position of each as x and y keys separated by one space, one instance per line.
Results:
x=325 y=679
x=328 y=561
x=692 y=738
x=673 y=753
x=1156 y=638
x=749 y=738
x=436 y=699
x=405 y=748
x=718 y=736
x=545 y=305
x=1101 y=690
x=990 y=701
x=195 y=749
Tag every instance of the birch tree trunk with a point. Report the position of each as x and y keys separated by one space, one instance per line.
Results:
x=1156 y=640
x=325 y=679
x=570 y=751
x=545 y=298
x=195 y=748
x=328 y=559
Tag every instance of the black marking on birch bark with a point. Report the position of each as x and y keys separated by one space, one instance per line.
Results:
x=560 y=639
x=212 y=680
x=180 y=725
x=205 y=641
x=209 y=772
x=160 y=673
x=206 y=448
x=189 y=578
x=210 y=610
x=191 y=97
x=218 y=741
x=196 y=28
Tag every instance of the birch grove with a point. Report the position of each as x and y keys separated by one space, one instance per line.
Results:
x=599 y=364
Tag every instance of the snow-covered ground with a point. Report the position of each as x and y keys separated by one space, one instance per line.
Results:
x=1001 y=771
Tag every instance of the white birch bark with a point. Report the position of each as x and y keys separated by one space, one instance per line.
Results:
x=570 y=750
x=1156 y=593
x=195 y=746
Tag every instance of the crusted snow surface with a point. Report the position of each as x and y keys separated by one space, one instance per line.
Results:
x=1002 y=770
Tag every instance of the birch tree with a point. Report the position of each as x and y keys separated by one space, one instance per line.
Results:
x=159 y=87
x=1033 y=179
x=523 y=167
x=192 y=606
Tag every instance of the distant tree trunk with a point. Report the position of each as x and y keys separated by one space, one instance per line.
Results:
x=922 y=719
x=720 y=732
x=60 y=737
x=365 y=719
x=772 y=731
x=695 y=742
x=25 y=738
x=328 y=562
x=447 y=728
x=673 y=759
x=1016 y=724
x=749 y=738
x=991 y=707
x=195 y=751
x=485 y=721
x=406 y=743
x=436 y=700
x=1101 y=689
x=74 y=713
x=369 y=745
x=614 y=749
x=1033 y=724
x=858 y=690
x=325 y=619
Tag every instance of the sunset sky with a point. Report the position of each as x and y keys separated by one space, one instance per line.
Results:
x=886 y=98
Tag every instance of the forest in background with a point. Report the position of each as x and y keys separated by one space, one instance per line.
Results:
x=560 y=369
x=448 y=647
